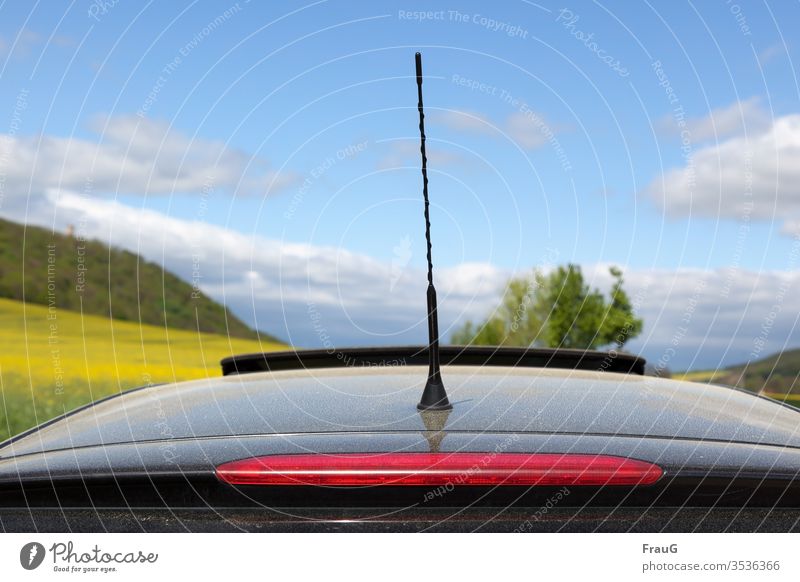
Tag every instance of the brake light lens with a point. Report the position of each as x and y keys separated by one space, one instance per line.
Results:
x=434 y=469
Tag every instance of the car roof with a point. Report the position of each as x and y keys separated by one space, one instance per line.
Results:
x=383 y=399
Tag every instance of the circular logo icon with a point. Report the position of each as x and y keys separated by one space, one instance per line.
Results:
x=31 y=555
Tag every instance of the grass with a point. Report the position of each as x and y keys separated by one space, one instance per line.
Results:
x=52 y=361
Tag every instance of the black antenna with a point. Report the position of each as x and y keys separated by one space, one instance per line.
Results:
x=434 y=397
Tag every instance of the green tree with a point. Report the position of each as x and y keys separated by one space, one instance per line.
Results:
x=557 y=310
x=620 y=323
x=512 y=324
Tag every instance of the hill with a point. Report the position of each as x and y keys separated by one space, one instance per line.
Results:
x=51 y=365
x=38 y=266
x=775 y=375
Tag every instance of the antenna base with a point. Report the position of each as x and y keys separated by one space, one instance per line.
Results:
x=434 y=397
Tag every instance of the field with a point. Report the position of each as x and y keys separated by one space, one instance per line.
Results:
x=53 y=361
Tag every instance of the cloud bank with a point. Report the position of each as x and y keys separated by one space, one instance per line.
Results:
x=132 y=155
x=316 y=296
x=745 y=177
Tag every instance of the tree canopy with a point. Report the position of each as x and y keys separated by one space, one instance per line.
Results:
x=557 y=309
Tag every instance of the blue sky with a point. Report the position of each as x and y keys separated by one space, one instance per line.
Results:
x=552 y=127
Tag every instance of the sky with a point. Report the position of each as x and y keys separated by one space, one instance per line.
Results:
x=269 y=153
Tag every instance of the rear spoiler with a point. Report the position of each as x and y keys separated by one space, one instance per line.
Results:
x=450 y=356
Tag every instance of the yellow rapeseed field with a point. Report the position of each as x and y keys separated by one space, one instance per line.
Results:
x=52 y=360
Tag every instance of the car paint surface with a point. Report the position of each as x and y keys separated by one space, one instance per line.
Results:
x=374 y=400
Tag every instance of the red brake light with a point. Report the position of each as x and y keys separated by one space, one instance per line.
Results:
x=433 y=469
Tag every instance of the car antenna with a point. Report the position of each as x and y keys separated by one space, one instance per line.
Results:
x=434 y=397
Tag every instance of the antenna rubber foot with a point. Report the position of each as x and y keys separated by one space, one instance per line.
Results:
x=434 y=397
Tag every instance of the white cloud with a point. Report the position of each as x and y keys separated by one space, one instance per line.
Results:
x=755 y=176
x=706 y=319
x=307 y=293
x=466 y=121
x=132 y=155
x=526 y=128
x=400 y=153
x=791 y=228
x=360 y=299
x=21 y=44
x=742 y=117
x=773 y=52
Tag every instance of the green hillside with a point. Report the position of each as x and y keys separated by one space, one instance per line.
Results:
x=67 y=272
x=49 y=365
x=777 y=375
